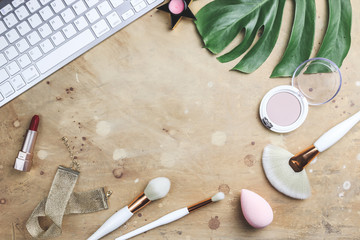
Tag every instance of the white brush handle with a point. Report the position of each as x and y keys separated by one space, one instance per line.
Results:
x=168 y=218
x=336 y=133
x=115 y=221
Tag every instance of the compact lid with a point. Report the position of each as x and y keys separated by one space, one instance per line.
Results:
x=318 y=80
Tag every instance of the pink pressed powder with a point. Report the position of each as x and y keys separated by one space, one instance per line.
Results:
x=176 y=6
x=283 y=109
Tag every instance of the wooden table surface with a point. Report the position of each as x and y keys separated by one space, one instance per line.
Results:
x=151 y=102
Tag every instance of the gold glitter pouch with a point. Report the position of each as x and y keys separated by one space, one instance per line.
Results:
x=61 y=201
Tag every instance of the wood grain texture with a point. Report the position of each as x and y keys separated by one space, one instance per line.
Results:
x=161 y=105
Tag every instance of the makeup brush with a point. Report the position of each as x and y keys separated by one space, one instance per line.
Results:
x=157 y=188
x=285 y=171
x=173 y=216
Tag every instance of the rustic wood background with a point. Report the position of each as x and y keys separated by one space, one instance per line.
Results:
x=152 y=102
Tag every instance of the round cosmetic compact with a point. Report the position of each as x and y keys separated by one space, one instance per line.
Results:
x=177 y=6
x=284 y=108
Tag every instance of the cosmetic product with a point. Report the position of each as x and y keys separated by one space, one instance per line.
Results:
x=156 y=189
x=286 y=172
x=23 y=161
x=177 y=10
x=284 y=108
x=256 y=210
x=173 y=216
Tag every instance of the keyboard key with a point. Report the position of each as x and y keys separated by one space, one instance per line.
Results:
x=57 y=38
x=100 y=28
x=22 y=13
x=35 y=53
x=46 y=13
x=3 y=60
x=11 y=53
x=12 y=35
x=68 y=2
x=33 y=5
x=10 y=20
x=24 y=60
x=135 y=2
x=33 y=38
x=81 y=23
x=140 y=6
x=1 y=97
x=44 y=2
x=35 y=20
x=46 y=46
x=12 y=68
x=91 y=3
x=92 y=15
x=3 y=43
x=67 y=15
x=113 y=19
x=65 y=51
x=5 y=10
x=151 y=1
x=56 y=23
x=2 y=27
x=22 y=45
x=17 y=82
x=17 y=3
x=57 y=5
x=45 y=30
x=79 y=7
x=3 y=75
x=104 y=8
x=116 y=3
x=23 y=28
x=6 y=89
x=128 y=14
x=69 y=31
x=30 y=74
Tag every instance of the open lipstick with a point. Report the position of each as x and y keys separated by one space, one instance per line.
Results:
x=23 y=161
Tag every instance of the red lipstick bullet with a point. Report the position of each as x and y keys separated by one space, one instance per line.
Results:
x=24 y=160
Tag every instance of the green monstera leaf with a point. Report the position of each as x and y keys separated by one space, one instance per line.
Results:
x=220 y=21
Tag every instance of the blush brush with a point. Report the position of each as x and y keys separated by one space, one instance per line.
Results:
x=286 y=172
x=157 y=188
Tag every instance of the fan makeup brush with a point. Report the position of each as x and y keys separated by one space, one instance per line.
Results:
x=157 y=188
x=285 y=171
x=173 y=216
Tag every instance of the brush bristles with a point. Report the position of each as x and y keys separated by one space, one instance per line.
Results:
x=276 y=166
x=157 y=188
x=218 y=197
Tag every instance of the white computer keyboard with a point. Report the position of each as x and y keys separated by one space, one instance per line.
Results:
x=37 y=37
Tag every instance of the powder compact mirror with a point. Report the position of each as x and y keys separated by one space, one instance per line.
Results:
x=314 y=82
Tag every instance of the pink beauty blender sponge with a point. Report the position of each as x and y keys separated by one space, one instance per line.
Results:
x=256 y=209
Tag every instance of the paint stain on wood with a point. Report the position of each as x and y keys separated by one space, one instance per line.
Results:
x=249 y=160
x=224 y=188
x=214 y=223
x=118 y=172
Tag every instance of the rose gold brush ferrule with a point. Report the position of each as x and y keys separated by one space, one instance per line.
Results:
x=303 y=158
x=139 y=203
x=199 y=205
x=23 y=161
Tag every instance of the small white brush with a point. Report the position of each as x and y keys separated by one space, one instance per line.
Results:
x=285 y=171
x=173 y=216
x=156 y=189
